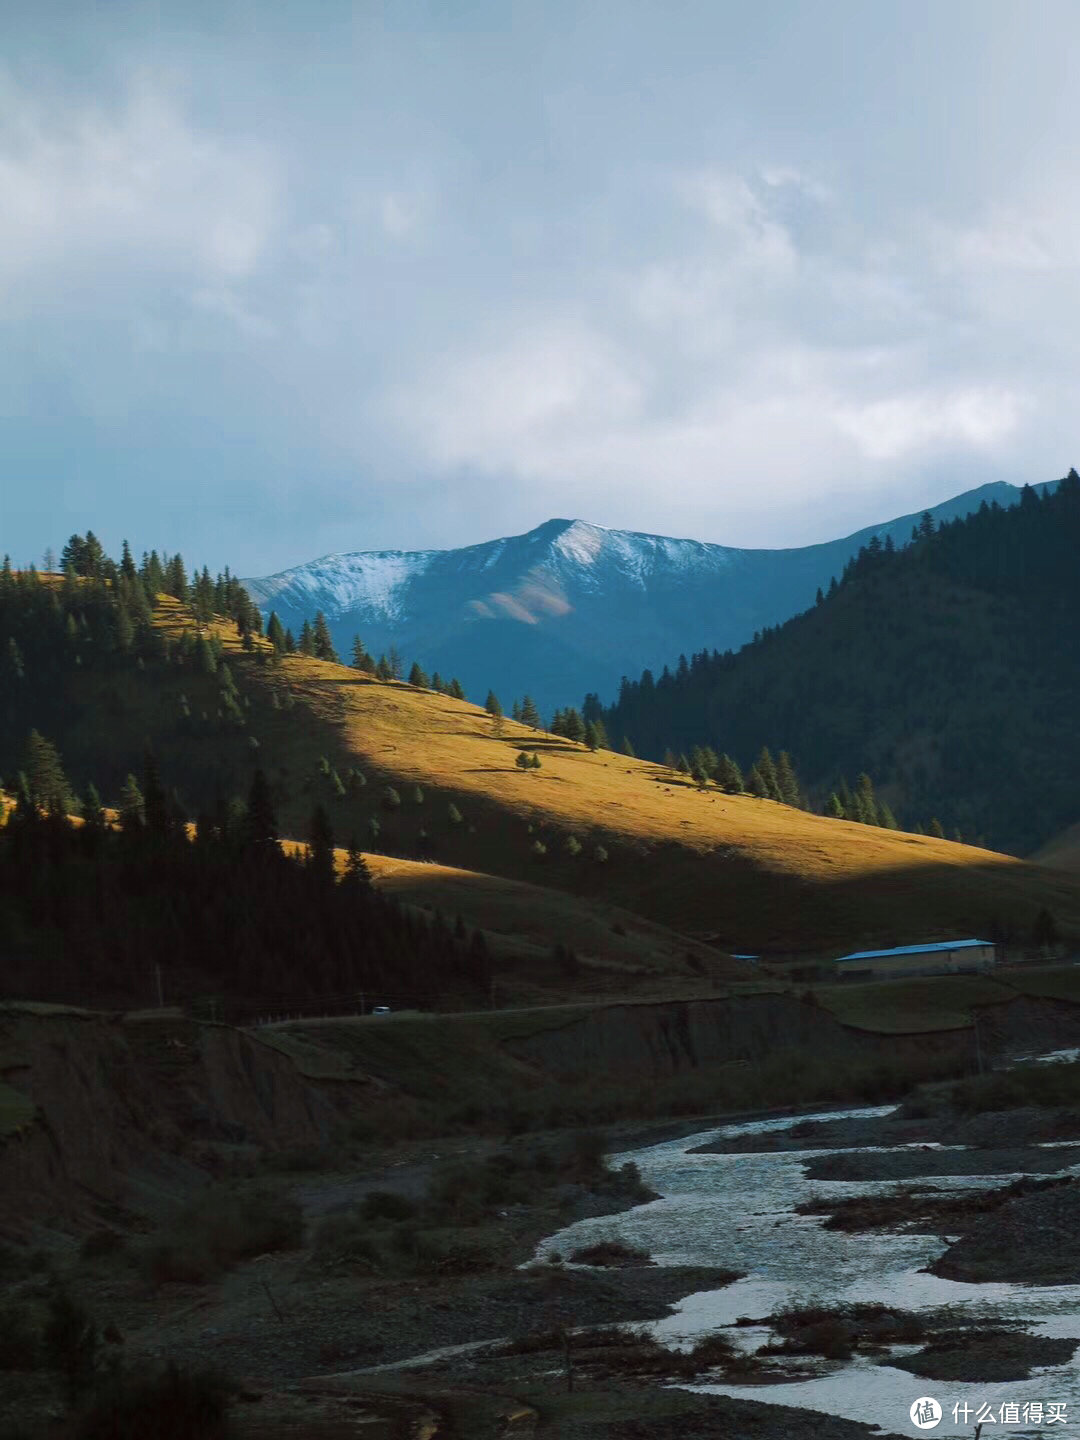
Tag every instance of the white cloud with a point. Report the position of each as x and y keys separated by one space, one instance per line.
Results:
x=888 y=429
x=84 y=184
x=740 y=218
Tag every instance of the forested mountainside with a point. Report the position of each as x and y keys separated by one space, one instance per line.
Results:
x=948 y=669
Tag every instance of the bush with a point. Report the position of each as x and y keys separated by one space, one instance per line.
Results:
x=609 y=1252
x=71 y=1341
x=218 y=1231
x=385 y=1205
x=20 y=1343
x=168 y=1404
x=101 y=1242
x=348 y=1238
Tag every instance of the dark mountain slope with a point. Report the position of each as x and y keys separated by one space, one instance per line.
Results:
x=949 y=670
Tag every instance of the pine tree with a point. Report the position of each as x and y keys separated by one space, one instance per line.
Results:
x=767 y=770
x=787 y=781
x=132 y=813
x=93 y=814
x=382 y=669
x=865 y=808
x=417 y=676
x=322 y=643
x=321 y=845
x=44 y=771
x=491 y=704
x=757 y=784
x=534 y=761
x=592 y=736
x=275 y=633
x=515 y=711
x=628 y=749
x=573 y=727
x=393 y=659
x=937 y=829
x=522 y=761
x=307 y=639
x=531 y=716
x=261 y=821
x=157 y=812
x=455 y=689
x=728 y=775
x=886 y=818
x=357 y=873
x=359 y=654
x=834 y=807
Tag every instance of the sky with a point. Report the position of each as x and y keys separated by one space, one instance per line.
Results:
x=279 y=280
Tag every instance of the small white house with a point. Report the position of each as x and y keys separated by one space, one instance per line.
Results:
x=945 y=957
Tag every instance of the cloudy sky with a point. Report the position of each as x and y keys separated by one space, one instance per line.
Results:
x=280 y=279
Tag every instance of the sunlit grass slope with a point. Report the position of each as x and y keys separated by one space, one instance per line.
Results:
x=748 y=873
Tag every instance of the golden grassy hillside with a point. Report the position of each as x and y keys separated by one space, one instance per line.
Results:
x=747 y=873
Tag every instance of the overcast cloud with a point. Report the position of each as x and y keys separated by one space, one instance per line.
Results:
x=277 y=280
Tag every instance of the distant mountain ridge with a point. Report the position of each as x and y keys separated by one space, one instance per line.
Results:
x=569 y=606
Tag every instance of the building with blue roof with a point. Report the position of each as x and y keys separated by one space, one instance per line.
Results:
x=942 y=957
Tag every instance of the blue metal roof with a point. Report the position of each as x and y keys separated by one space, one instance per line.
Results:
x=914 y=949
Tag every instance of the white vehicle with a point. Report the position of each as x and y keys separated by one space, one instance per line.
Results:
x=381 y=1010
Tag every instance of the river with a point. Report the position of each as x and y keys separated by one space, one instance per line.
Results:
x=738 y=1211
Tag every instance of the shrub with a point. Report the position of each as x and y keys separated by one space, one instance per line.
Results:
x=572 y=845
x=168 y=1404
x=385 y=1205
x=71 y=1341
x=101 y=1242
x=348 y=1238
x=218 y=1231
x=539 y=849
x=609 y=1252
x=600 y=855
x=20 y=1344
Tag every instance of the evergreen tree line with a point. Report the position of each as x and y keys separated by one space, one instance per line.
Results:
x=944 y=668
x=92 y=912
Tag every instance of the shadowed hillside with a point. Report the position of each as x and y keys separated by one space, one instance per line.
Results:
x=948 y=670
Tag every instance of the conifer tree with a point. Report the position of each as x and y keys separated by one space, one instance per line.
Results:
x=628 y=749
x=531 y=716
x=359 y=654
x=437 y=683
x=491 y=704
x=866 y=811
x=132 y=814
x=307 y=639
x=515 y=711
x=573 y=725
x=261 y=821
x=455 y=689
x=275 y=634
x=728 y=775
x=787 y=781
x=322 y=644
x=44 y=772
x=937 y=829
x=321 y=845
x=834 y=807
x=357 y=873
x=592 y=736
x=290 y=643
x=393 y=659
x=766 y=768
x=417 y=676
x=522 y=762
x=757 y=784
